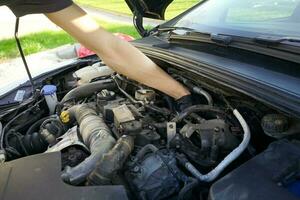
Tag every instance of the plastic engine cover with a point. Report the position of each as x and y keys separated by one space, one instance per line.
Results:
x=38 y=177
x=155 y=177
x=272 y=175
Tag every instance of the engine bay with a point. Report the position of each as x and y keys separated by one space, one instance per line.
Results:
x=113 y=131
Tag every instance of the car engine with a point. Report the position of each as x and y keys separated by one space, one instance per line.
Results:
x=113 y=131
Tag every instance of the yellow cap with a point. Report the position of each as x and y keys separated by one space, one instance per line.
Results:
x=65 y=117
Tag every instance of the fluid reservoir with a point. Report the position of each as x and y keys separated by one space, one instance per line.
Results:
x=86 y=74
x=49 y=92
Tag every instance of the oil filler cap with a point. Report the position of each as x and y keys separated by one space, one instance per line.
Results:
x=274 y=124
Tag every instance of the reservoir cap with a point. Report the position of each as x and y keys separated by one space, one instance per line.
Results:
x=49 y=89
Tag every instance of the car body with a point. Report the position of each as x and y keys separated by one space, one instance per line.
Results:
x=237 y=57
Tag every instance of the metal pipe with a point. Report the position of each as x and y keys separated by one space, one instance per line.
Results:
x=22 y=53
x=212 y=175
x=126 y=94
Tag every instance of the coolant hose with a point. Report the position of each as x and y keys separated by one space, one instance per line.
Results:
x=96 y=135
x=212 y=175
x=202 y=92
x=87 y=90
x=111 y=162
x=146 y=149
x=198 y=90
x=197 y=108
x=33 y=128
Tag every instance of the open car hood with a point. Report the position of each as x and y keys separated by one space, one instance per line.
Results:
x=154 y=9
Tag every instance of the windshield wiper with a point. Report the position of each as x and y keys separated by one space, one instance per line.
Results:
x=273 y=40
x=221 y=39
x=288 y=51
x=161 y=29
x=191 y=34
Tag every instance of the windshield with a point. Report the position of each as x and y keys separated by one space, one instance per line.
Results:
x=249 y=18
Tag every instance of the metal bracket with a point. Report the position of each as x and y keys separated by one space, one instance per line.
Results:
x=22 y=54
x=171 y=132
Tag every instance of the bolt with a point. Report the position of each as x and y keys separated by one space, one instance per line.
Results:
x=171 y=126
x=217 y=129
x=279 y=184
x=136 y=169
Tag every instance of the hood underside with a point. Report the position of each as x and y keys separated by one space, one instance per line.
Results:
x=154 y=9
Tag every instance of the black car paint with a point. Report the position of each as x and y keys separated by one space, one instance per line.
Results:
x=45 y=168
x=263 y=81
x=276 y=87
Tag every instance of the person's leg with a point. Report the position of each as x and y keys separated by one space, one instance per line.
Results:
x=119 y=55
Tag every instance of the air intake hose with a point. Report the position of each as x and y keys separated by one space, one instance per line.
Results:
x=111 y=162
x=96 y=135
x=87 y=90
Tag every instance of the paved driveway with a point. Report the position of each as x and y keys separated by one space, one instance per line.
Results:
x=12 y=72
x=38 y=22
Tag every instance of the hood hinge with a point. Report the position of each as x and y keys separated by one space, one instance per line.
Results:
x=138 y=23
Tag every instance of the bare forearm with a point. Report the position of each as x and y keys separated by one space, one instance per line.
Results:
x=118 y=54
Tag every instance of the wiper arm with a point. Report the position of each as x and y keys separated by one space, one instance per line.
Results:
x=189 y=32
x=221 y=39
x=203 y=36
x=273 y=40
x=171 y=29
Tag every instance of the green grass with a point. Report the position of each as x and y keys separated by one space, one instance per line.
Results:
x=33 y=43
x=177 y=6
x=41 y=41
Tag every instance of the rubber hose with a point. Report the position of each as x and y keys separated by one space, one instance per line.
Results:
x=111 y=162
x=187 y=188
x=96 y=135
x=158 y=110
x=6 y=127
x=11 y=121
x=202 y=92
x=36 y=125
x=197 y=108
x=87 y=90
x=25 y=144
x=198 y=90
x=146 y=149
